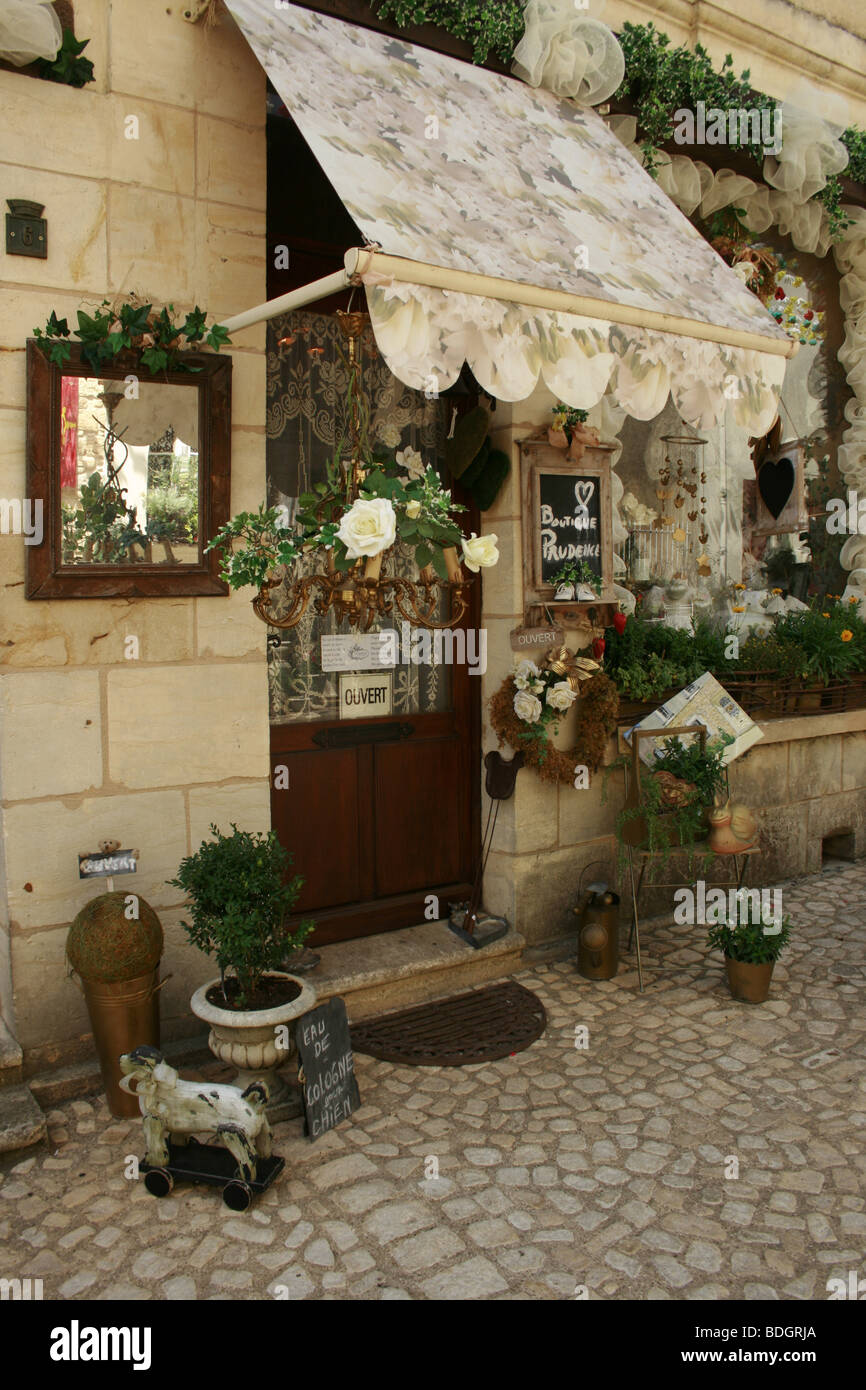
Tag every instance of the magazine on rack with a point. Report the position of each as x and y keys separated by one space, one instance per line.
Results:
x=704 y=702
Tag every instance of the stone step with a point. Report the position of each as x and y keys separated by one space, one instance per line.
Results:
x=375 y=975
x=22 y=1122
x=378 y=974
x=11 y=1069
x=52 y=1088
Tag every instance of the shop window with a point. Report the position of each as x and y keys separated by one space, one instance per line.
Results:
x=744 y=545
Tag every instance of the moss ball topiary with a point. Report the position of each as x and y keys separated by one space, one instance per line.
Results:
x=107 y=945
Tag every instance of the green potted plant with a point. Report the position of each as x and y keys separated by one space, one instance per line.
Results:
x=751 y=948
x=667 y=804
x=573 y=580
x=240 y=899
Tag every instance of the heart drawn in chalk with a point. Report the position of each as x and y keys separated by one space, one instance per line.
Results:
x=583 y=492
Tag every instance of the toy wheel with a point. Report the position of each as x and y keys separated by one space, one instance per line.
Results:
x=158 y=1182
x=237 y=1195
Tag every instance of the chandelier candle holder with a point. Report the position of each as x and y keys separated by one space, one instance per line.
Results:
x=348 y=529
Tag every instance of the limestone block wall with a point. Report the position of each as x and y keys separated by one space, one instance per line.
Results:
x=92 y=745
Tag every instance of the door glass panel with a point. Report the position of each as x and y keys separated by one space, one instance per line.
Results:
x=307 y=383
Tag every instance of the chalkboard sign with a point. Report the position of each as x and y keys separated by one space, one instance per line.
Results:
x=327 y=1067
x=569 y=513
x=568 y=507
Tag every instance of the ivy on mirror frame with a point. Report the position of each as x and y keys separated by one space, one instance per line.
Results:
x=133 y=326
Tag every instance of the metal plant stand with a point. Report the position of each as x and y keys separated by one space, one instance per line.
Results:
x=740 y=861
x=633 y=798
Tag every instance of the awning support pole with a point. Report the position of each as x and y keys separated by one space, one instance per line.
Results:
x=364 y=261
x=295 y=299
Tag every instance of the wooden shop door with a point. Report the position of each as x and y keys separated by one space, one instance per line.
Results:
x=381 y=813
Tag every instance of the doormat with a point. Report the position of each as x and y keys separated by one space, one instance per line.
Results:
x=482 y=1025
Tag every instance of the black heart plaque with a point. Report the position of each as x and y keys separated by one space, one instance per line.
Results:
x=776 y=483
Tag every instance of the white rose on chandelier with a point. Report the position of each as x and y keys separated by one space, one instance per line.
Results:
x=568 y=52
x=527 y=707
x=413 y=509
x=368 y=528
x=560 y=696
x=479 y=552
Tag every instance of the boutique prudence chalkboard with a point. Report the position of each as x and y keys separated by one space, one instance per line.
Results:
x=568 y=509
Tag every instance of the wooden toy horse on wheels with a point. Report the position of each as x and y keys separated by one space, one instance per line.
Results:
x=173 y=1109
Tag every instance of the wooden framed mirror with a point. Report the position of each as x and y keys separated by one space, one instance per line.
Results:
x=132 y=472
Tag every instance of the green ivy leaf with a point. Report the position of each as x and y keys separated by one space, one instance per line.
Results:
x=155 y=359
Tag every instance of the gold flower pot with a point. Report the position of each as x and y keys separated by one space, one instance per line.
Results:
x=749 y=983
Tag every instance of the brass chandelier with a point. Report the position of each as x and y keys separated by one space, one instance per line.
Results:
x=364 y=592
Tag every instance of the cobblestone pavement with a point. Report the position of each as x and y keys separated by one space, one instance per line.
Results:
x=560 y=1168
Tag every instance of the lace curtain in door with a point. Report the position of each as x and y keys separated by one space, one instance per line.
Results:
x=307 y=381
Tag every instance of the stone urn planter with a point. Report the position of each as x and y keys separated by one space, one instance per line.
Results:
x=749 y=983
x=253 y=1041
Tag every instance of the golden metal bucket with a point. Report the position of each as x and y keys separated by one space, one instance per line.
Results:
x=123 y=1016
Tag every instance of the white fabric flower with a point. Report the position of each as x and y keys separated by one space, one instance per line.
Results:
x=413 y=509
x=479 y=552
x=527 y=707
x=411 y=460
x=390 y=434
x=568 y=52
x=560 y=696
x=526 y=672
x=368 y=528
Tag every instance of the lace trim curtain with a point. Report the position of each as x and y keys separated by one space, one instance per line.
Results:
x=307 y=381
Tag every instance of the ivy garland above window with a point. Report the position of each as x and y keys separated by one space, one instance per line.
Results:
x=661 y=80
x=489 y=25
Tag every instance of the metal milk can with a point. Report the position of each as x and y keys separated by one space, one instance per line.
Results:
x=597 y=912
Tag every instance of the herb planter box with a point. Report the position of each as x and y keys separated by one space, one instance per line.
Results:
x=766 y=696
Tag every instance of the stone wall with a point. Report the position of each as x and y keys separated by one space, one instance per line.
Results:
x=94 y=746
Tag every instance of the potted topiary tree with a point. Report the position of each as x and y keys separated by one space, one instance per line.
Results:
x=751 y=946
x=240 y=898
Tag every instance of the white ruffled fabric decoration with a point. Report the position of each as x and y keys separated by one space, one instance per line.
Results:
x=694 y=186
x=811 y=152
x=29 y=29
x=425 y=335
x=568 y=52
